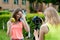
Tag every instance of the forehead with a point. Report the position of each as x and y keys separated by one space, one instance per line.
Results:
x=19 y=12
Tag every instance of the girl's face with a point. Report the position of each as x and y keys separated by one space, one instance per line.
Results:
x=18 y=15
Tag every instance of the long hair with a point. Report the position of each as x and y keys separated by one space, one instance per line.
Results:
x=15 y=13
x=51 y=16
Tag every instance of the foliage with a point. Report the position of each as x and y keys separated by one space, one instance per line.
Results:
x=4 y=12
x=5 y=18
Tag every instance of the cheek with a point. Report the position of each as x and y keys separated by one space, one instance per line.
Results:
x=20 y=13
x=18 y=16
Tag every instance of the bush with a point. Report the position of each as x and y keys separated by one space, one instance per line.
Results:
x=29 y=20
x=4 y=12
x=5 y=18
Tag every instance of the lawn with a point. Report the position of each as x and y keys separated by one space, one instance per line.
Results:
x=3 y=35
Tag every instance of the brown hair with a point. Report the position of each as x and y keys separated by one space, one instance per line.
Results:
x=15 y=12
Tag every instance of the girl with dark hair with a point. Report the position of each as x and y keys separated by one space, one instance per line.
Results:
x=14 y=28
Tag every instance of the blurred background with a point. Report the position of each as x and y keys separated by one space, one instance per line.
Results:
x=30 y=9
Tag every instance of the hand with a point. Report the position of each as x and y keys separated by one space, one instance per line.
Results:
x=23 y=17
x=36 y=33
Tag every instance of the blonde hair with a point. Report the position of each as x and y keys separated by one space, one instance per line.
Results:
x=51 y=16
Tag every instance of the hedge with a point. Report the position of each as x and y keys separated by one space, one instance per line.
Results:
x=4 y=12
x=29 y=18
x=5 y=18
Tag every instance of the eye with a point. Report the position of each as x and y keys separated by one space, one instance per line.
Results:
x=17 y=14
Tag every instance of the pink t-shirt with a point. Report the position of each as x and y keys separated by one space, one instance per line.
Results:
x=16 y=31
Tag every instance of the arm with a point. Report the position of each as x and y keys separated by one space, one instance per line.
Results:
x=8 y=28
x=36 y=34
x=41 y=34
x=26 y=26
x=43 y=31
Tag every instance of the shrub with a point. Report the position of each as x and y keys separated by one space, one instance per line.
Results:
x=32 y=10
x=4 y=12
x=5 y=18
x=29 y=20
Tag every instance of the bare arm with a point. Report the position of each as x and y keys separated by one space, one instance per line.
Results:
x=26 y=26
x=8 y=28
x=43 y=31
x=41 y=34
x=36 y=34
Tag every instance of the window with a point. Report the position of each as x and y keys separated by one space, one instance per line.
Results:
x=5 y=1
x=23 y=2
x=16 y=2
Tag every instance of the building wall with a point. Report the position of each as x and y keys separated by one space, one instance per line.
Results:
x=10 y=5
x=5 y=5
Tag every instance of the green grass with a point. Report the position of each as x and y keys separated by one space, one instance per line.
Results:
x=3 y=35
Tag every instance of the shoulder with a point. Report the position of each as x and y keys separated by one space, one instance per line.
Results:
x=44 y=28
x=9 y=22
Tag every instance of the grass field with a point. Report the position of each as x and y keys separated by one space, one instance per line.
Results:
x=3 y=35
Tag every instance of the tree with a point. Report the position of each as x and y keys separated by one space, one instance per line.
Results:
x=31 y=5
x=54 y=2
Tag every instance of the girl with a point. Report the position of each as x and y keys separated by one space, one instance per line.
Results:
x=14 y=28
x=50 y=30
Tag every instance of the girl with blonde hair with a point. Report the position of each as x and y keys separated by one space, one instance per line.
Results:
x=50 y=30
